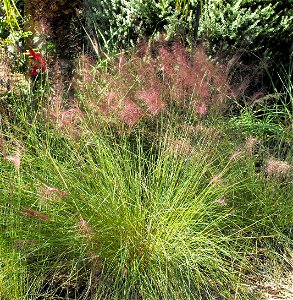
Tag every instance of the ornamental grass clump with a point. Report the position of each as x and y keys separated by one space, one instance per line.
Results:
x=128 y=223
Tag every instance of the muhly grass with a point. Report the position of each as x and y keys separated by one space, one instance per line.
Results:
x=96 y=219
x=115 y=222
x=140 y=85
x=138 y=189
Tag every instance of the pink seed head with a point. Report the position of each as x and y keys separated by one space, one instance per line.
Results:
x=222 y=201
x=84 y=227
x=235 y=155
x=202 y=109
x=109 y=105
x=48 y=191
x=131 y=112
x=167 y=61
x=15 y=159
x=68 y=117
x=151 y=97
x=277 y=168
x=215 y=179
x=32 y=213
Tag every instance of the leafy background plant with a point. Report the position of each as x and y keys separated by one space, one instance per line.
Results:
x=123 y=23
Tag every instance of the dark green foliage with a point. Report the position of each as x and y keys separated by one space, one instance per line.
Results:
x=259 y=30
x=122 y=23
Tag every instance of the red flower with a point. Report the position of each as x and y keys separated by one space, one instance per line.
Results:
x=33 y=70
x=37 y=56
x=32 y=53
x=40 y=63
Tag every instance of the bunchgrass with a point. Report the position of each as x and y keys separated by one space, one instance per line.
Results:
x=116 y=221
x=166 y=202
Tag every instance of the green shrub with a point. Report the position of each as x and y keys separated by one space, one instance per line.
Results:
x=11 y=31
x=263 y=28
x=121 y=23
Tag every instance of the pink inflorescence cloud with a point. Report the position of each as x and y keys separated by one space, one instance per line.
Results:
x=202 y=109
x=131 y=113
x=67 y=117
x=151 y=97
x=143 y=84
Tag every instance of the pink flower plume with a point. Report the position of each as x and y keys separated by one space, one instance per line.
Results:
x=151 y=97
x=131 y=112
x=202 y=109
